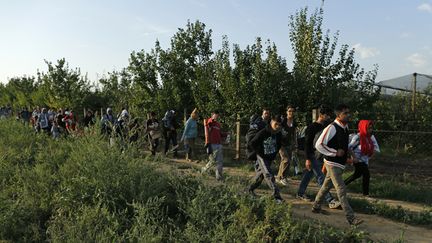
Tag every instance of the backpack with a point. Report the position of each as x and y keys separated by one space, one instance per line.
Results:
x=252 y=131
x=250 y=152
x=301 y=137
x=351 y=139
x=319 y=155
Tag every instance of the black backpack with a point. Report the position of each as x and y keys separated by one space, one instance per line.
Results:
x=250 y=152
x=319 y=155
x=255 y=125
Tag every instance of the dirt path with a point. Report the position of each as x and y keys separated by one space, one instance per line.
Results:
x=378 y=228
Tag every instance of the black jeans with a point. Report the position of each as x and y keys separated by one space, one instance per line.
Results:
x=170 y=137
x=263 y=172
x=154 y=143
x=361 y=169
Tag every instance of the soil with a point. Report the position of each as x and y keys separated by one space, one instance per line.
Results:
x=377 y=228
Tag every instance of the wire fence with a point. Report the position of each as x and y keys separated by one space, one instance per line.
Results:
x=415 y=144
x=402 y=150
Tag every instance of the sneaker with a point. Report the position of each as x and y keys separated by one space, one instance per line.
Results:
x=252 y=193
x=283 y=181
x=278 y=199
x=316 y=210
x=355 y=221
x=304 y=197
x=203 y=170
x=173 y=150
x=333 y=204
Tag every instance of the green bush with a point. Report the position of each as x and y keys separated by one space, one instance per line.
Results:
x=79 y=189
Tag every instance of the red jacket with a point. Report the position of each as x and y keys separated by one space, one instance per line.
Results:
x=214 y=132
x=70 y=121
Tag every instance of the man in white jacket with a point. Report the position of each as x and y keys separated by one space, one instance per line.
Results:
x=333 y=144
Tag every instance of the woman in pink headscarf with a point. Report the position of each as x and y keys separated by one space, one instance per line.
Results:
x=363 y=145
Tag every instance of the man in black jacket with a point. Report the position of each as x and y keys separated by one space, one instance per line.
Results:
x=314 y=160
x=266 y=144
x=289 y=145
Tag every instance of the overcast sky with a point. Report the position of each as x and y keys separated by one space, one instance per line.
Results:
x=98 y=36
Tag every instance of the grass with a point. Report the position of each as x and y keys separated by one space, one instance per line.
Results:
x=379 y=186
x=82 y=190
x=423 y=218
x=403 y=187
x=396 y=188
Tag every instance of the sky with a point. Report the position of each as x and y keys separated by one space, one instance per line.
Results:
x=98 y=36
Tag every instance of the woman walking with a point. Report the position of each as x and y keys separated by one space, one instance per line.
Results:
x=363 y=145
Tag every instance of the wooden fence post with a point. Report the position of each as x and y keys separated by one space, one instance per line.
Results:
x=237 y=157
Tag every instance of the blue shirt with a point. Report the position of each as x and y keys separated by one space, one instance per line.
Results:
x=191 y=130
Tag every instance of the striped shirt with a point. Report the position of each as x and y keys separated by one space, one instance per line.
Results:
x=321 y=145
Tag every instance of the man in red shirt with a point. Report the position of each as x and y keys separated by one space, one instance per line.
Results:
x=213 y=140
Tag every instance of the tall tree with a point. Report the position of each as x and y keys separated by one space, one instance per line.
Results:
x=319 y=75
x=62 y=86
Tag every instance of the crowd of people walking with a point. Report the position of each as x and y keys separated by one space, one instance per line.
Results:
x=328 y=145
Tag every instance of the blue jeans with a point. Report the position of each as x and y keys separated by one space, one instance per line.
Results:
x=307 y=176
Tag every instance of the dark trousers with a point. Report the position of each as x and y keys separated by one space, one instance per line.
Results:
x=170 y=137
x=361 y=169
x=263 y=172
x=154 y=143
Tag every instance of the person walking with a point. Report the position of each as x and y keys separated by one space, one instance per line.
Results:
x=153 y=131
x=364 y=145
x=213 y=145
x=266 y=144
x=43 y=121
x=190 y=133
x=333 y=144
x=314 y=159
x=289 y=143
x=170 y=126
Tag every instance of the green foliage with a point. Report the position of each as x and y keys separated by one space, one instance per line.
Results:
x=190 y=74
x=62 y=86
x=322 y=75
x=396 y=213
x=81 y=190
x=397 y=188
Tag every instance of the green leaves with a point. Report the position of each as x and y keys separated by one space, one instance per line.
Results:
x=322 y=76
x=189 y=73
